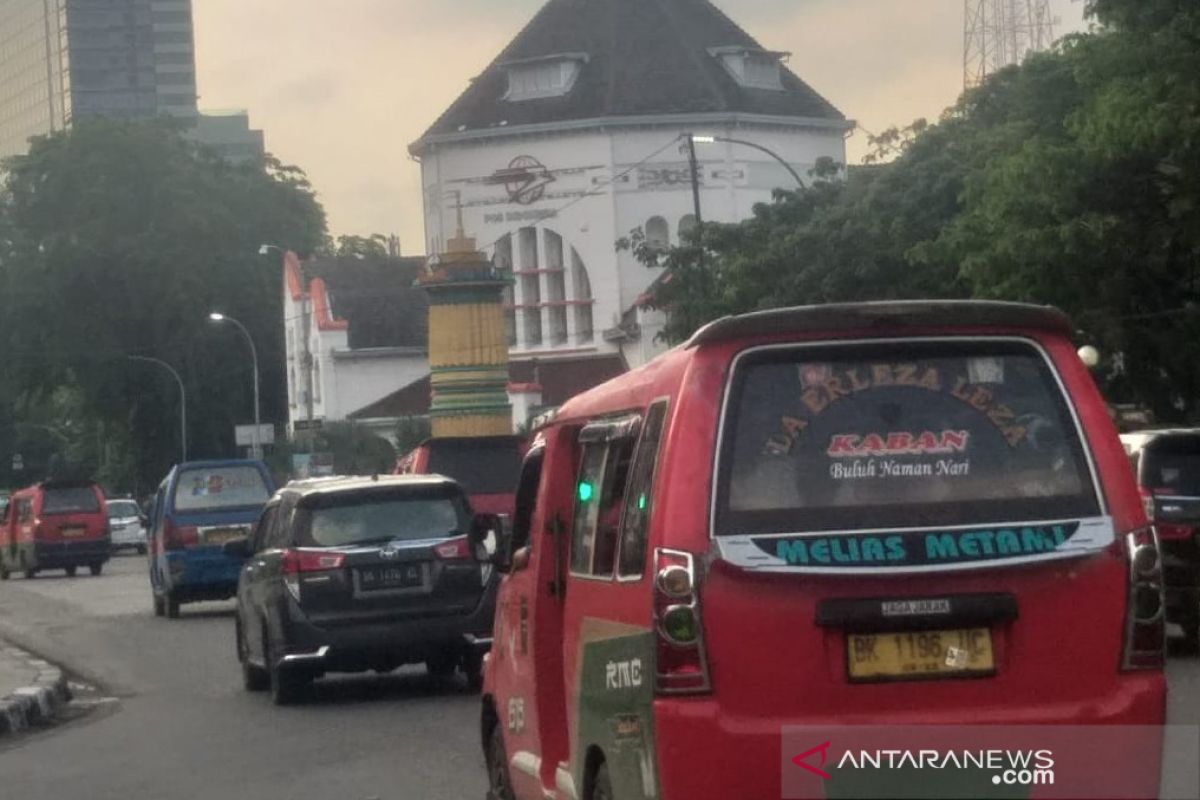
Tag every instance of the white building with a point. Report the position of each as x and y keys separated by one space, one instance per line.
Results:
x=353 y=337
x=574 y=136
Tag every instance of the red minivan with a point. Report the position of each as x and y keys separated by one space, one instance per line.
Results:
x=484 y=466
x=808 y=527
x=55 y=525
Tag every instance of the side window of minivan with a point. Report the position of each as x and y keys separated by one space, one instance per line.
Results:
x=260 y=539
x=600 y=499
x=639 y=499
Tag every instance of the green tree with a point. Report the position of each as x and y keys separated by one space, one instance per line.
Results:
x=118 y=238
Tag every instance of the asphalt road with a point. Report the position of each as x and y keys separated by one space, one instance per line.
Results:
x=182 y=727
x=178 y=724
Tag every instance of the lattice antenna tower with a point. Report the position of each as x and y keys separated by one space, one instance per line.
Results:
x=1002 y=32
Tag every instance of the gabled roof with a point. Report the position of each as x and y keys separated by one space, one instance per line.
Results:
x=376 y=298
x=639 y=58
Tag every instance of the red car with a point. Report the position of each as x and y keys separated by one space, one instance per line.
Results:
x=486 y=467
x=729 y=568
x=55 y=525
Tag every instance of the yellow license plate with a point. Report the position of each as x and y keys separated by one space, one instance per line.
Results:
x=223 y=535
x=73 y=532
x=916 y=655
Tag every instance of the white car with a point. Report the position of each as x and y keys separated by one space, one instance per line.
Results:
x=127 y=524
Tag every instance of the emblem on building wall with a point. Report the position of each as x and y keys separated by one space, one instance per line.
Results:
x=525 y=179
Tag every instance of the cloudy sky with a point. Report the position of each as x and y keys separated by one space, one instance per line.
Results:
x=342 y=89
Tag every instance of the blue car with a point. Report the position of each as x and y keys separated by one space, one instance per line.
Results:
x=199 y=506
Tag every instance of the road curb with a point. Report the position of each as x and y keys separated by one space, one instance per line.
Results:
x=37 y=703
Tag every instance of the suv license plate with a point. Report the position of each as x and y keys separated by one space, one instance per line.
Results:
x=919 y=655
x=401 y=576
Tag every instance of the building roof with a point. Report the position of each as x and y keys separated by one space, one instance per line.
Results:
x=408 y=401
x=563 y=378
x=639 y=58
x=377 y=298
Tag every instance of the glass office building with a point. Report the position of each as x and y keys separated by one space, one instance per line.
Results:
x=65 y=59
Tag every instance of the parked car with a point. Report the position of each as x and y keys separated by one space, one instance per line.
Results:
x=351 y=574
x=486 y=467
x=128 y=526
x=908 y=514
x=1167 y=465
x=54 y=525
x=199 y=507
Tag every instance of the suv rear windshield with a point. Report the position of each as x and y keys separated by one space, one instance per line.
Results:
x=218 y=488
x=1172 y=463
x=486 y=466
x=897 y=435
x=373 y=516
x=70 y=500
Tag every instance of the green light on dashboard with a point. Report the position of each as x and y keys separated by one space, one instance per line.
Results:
x=586 y=491
x=641 y=502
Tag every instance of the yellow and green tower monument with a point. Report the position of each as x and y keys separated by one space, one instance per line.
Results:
x=468 y=348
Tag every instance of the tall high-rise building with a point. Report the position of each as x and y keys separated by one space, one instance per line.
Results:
x=62 y=60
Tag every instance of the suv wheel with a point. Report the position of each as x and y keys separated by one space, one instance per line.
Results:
x=499 y=784
x=95 y=569
x=472 y=667
x=172 y=603
x=71 y=571
x=4 y=573
x=254 y=679
x=441 y=665
x=287 y=686
x=160 y=607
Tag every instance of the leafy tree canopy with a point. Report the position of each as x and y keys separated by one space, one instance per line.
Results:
x=1073 y=179
x=118 y=238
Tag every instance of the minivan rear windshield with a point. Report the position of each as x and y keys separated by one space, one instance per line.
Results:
x=485 y=466
x=73 y=500
x=382 y=516
x=219 y=488
x=1172 y=464
x=898 y=435
x=119 y=509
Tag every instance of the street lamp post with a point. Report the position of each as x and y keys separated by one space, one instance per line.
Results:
x=219 y=317
x=182 y=400
x=694 y=140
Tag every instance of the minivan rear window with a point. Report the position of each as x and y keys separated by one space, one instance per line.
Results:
x=70 y=500
x=1172 y=464
x=898 y=435
x=218 y=488
x=349 y=518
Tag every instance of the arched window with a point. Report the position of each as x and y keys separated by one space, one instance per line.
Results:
x=658 y=233
x=550 y=300
x=583 y=299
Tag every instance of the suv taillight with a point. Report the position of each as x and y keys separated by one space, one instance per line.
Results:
x=297 y=561
x=682 y=667
x=1145 y=607
x=454 y=549
x=176 y=537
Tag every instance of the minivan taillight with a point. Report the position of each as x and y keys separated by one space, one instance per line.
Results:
x=682 y=667
x=298 y=561
x=178 y=537
x=1145 y=625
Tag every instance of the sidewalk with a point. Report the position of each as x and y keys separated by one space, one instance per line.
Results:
x=31 y=690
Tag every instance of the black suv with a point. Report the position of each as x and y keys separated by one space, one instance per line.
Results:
x=363 y=573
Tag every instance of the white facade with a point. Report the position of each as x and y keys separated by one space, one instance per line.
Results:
x=552 y=200
x=328 y=381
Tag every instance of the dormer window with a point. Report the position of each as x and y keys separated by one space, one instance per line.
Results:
x=754 y=69
x=547 y=76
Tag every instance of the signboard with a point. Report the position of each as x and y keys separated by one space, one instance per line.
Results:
x=244 y=435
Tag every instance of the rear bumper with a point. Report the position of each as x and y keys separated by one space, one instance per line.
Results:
x=49 y=555
x=202 y=574
x=354 y=647
x=751 y=761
